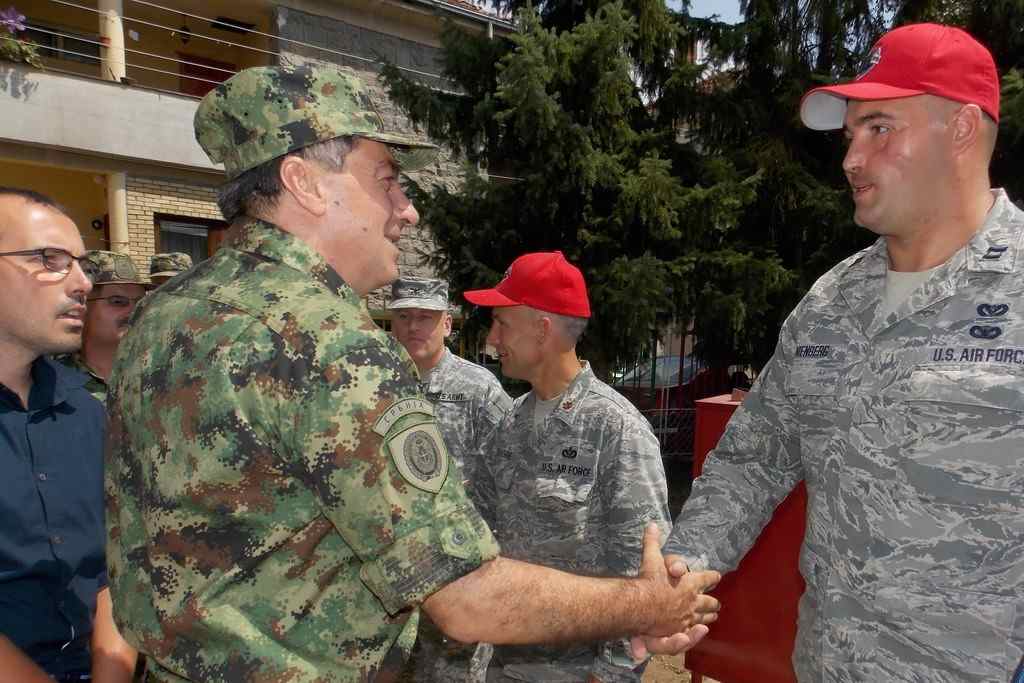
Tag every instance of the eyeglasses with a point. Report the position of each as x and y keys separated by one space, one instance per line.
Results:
x=118 y=300
x=58 y=260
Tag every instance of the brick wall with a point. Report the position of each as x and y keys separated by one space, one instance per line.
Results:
x=150 y=196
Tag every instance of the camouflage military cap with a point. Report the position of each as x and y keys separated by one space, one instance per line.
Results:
x=113 y=268
x=264 y=112
x=169 y=265
x=419 y=292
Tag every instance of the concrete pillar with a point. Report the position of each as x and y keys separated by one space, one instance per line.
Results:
x=117 y=210
x=112 y=37
x=114 y=69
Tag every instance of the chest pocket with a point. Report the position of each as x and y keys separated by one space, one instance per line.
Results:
x=811 y=382
x=964 y=436
x=813 y=388
x=565 y=475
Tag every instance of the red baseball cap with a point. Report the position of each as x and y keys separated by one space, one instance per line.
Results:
x=917 y=59
x=542 y=280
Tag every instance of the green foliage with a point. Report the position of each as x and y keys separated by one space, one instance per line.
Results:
x=13 y=49
x=687 y=193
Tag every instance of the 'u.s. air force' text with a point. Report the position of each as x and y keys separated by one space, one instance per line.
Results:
x=564 y=468
x=973 y=354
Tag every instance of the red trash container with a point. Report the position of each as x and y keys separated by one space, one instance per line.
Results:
x=752 y=641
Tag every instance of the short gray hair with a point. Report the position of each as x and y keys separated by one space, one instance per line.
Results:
x=257 y=190
x=570 y=327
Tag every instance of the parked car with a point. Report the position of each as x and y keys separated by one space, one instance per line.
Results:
x=678 y=382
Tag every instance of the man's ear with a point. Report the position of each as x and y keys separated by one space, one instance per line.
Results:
x=967 y=128
x=301 y=179
x=447 y=324
x=544 y=325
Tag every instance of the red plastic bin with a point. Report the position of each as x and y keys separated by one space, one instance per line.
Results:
x=752 y=641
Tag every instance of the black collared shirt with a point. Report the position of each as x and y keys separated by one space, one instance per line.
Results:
x=52 y=535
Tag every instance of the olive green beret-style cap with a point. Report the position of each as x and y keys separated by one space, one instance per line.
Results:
x=265 y=112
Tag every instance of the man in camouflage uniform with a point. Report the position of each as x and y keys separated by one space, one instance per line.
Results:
x=576 y=473
x=162 y=267
x=896 y=392
x=278 y=498
x=116 y=289
x=468 y=403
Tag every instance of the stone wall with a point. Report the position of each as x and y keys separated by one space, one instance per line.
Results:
x=339 y=35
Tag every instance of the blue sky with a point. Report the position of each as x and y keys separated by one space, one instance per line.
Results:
x=727 y=10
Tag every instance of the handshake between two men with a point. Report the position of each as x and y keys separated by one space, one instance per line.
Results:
x=664 y=609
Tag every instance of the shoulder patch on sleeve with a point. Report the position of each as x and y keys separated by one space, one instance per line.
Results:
x=400 y=408
x=420 y=456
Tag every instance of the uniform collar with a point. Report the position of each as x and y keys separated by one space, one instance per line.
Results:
x=572 y=398
x=269 y=242
x=433 y=385
x=997 y=245
x=994 y=248
x=76 y=361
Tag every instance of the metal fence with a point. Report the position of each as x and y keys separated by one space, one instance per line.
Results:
x=674 y=429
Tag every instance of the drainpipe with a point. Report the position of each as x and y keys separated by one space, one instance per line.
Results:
x=114 y=69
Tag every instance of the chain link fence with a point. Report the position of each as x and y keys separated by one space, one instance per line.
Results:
x=674 y=429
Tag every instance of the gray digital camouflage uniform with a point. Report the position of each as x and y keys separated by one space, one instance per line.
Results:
x=469 y=403
x=909 y=431
x=279 y=497
x=576 y=497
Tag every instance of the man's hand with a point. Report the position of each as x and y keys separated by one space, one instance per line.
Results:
x=683 y=620
x=642 y=646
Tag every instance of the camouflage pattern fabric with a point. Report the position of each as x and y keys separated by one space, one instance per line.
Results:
x=469 y=403
x=908 y=428
x=169 y=264
x=430 y=294
x=576 y=497
x=114 y=268
x=278 y=493
x=265 y=112
x=95 y=384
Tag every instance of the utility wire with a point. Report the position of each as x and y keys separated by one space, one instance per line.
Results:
x=193 y=34
x=134 y=66
x=127 y=49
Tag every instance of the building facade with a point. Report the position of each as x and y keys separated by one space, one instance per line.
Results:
x=106 y=127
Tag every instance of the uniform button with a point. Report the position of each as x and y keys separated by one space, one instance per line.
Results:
x=57 y=539
x=458 y=538
x=42 y=476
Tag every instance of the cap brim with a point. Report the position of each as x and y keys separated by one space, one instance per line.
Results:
x=410 y=154
x=425 y=304
x=825 y=108
x=489 y=297
x=166 y=273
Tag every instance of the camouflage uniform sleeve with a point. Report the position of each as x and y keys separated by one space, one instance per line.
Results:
x=483 y=482
x=633 y=492
x=494 y=405
x=370 y=448
x=756 y=463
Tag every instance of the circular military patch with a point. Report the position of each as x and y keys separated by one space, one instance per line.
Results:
x=422 y=454
x=419 y=455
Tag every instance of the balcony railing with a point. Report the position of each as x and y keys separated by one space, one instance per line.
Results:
x=165 y=48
